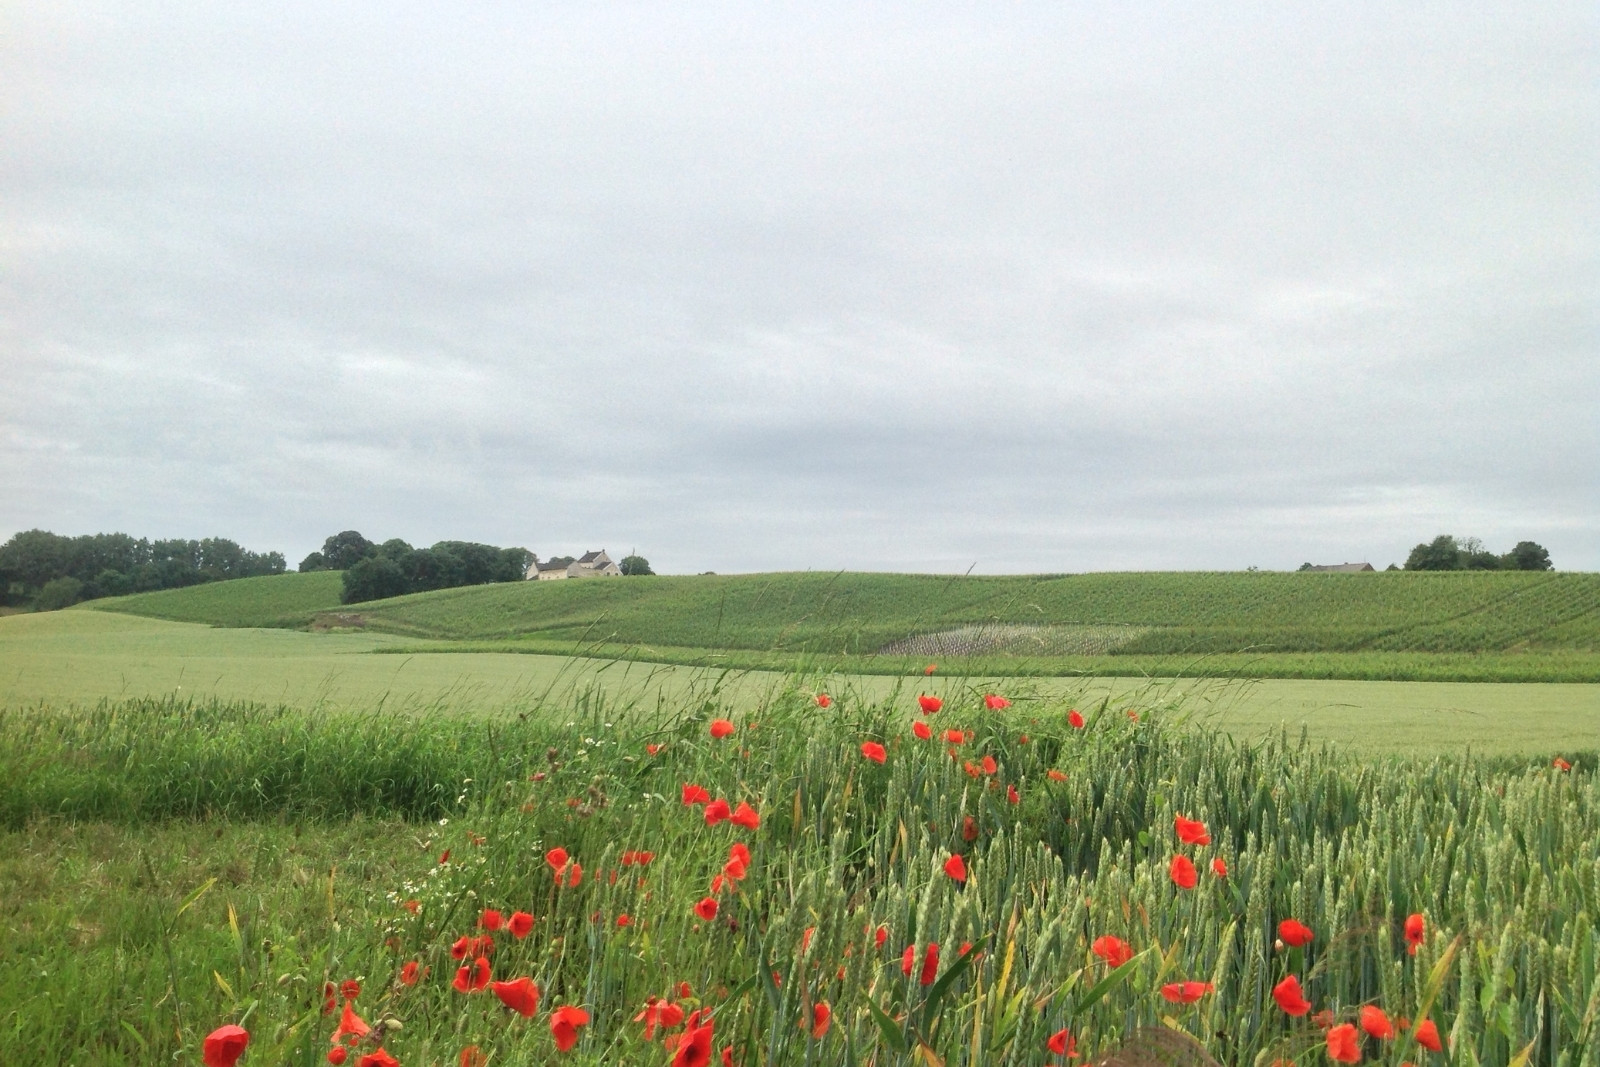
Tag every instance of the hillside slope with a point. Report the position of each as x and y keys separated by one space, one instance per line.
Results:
x=1117 y=614
x=276 y=600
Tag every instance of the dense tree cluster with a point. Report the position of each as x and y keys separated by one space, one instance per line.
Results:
x=394 y=568
x=52 y=571
x=1445 y=553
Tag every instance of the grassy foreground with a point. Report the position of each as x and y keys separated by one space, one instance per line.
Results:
x=184 y=866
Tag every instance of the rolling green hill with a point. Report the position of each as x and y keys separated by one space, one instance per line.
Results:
x=277 y=600
x=1143 y=614
x=1117 y=614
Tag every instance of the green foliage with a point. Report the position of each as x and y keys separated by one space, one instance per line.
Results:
x=345 y=549
x=373 y=578
x=634 y=566
x=396 y=569
x=114 y=564
x=1528 y=556
x=1445 y=553
x=316 y=561
x=240 y=922
x=59 y=593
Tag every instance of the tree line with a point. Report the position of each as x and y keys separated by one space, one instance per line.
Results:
x=375 y=571
x=46 y=571
x=1445 y=553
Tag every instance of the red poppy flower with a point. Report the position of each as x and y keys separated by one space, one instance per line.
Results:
x=727 y=1056
x=574 y=874
x=409 y=972
x=1185 y=992
x=1560 y=764
x=694 y=794
x=1062 y=1043
x=908 y=960
x=658 y=1013
x=1012 y=795
x=350 y=989
x=929 y=704
x=694 y=1049
x=1295 y=933
x=520 y=924
x=706 y=908
x=472 y=979
x=717 y=811
x=1414 y=932
x=472 y=1056
x=557 y=859
x=458 y=951
x=379 y=1058
x=821 y=1018
x=491 y=919
x=564 y=1024
x=652 y=749
x=1376 y=1023
x=921 y=729
x=1075 y=719
x=1343 y=1045
x=744 y=815
x=521 y=996
x=1055 y=775
x=1113 y=950
x=930 y=965
x=721 y=728
x=1184 y=876
x=413 y=906
x=874 y=751
x=337 y=1055
x=1191 y=831
x=330 y=997
x=224 y=1045
x=1427 y=1036
x=994 y=702
x=930 y=668
x=956 y=868
x=351 y=1026
x=989 y=765
x=954 y=737
x=1134 y=715
x=880 y=936
x=969 y=828
x=823 y=700
x=1220 y=866
x=1289 y=997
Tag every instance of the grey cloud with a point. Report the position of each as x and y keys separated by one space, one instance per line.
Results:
x=1043 y=289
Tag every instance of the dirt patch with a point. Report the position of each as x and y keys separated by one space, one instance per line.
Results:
x=337 y=620
x=1015 y=639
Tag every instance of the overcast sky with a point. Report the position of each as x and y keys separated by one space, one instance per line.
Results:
x=1026 y=287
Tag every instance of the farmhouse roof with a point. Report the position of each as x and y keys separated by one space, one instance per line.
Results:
x=1345 y=567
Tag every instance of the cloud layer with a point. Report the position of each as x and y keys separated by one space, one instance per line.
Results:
x=918 y=289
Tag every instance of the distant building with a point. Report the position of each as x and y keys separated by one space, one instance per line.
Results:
x=1347 y=568
x=588 y=565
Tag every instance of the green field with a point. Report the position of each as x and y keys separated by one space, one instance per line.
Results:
x=1465 y=626
x=202 y=825
x=169 y=867
x=81 y=657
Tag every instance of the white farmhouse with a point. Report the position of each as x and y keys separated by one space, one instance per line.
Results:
x=589 y=565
